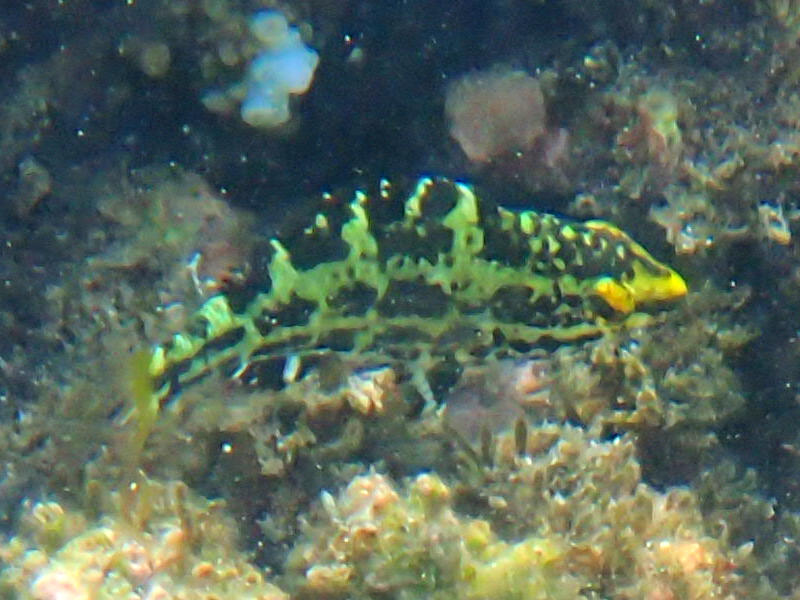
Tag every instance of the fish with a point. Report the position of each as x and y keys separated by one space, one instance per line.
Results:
x=433 y=282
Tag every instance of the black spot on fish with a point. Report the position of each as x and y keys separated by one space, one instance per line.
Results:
x=403 y=298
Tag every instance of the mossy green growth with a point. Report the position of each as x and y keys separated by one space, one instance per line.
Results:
x=145 y=402
x=417 y=547
x=527 y=569
x=562 y=516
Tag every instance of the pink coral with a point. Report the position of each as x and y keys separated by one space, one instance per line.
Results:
x=59 y=585
x=495 y=112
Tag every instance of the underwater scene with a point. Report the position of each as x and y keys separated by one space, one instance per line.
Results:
x=400 y=299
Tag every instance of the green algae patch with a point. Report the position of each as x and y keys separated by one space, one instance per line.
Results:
x=527 y=569
x=568 y=518
x=418 y=544
x=145 y=402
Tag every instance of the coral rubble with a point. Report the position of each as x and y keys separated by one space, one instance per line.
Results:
x=569 y=520
x=154 y=541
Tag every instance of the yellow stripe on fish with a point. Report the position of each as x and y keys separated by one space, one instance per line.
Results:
x=442 y=279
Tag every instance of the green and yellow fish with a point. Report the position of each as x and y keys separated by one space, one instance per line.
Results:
x=439 y=280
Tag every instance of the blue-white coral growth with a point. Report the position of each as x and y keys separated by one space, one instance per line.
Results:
x=284 y=66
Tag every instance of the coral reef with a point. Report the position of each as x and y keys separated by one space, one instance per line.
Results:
x=567 y=518
x=499 y=118
x=172 y=224
x=673 y=373
x=495 y=112
x=653 y=460
x=67 y=401
x=153 y=541
x=280 y=65
x=285 y=67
